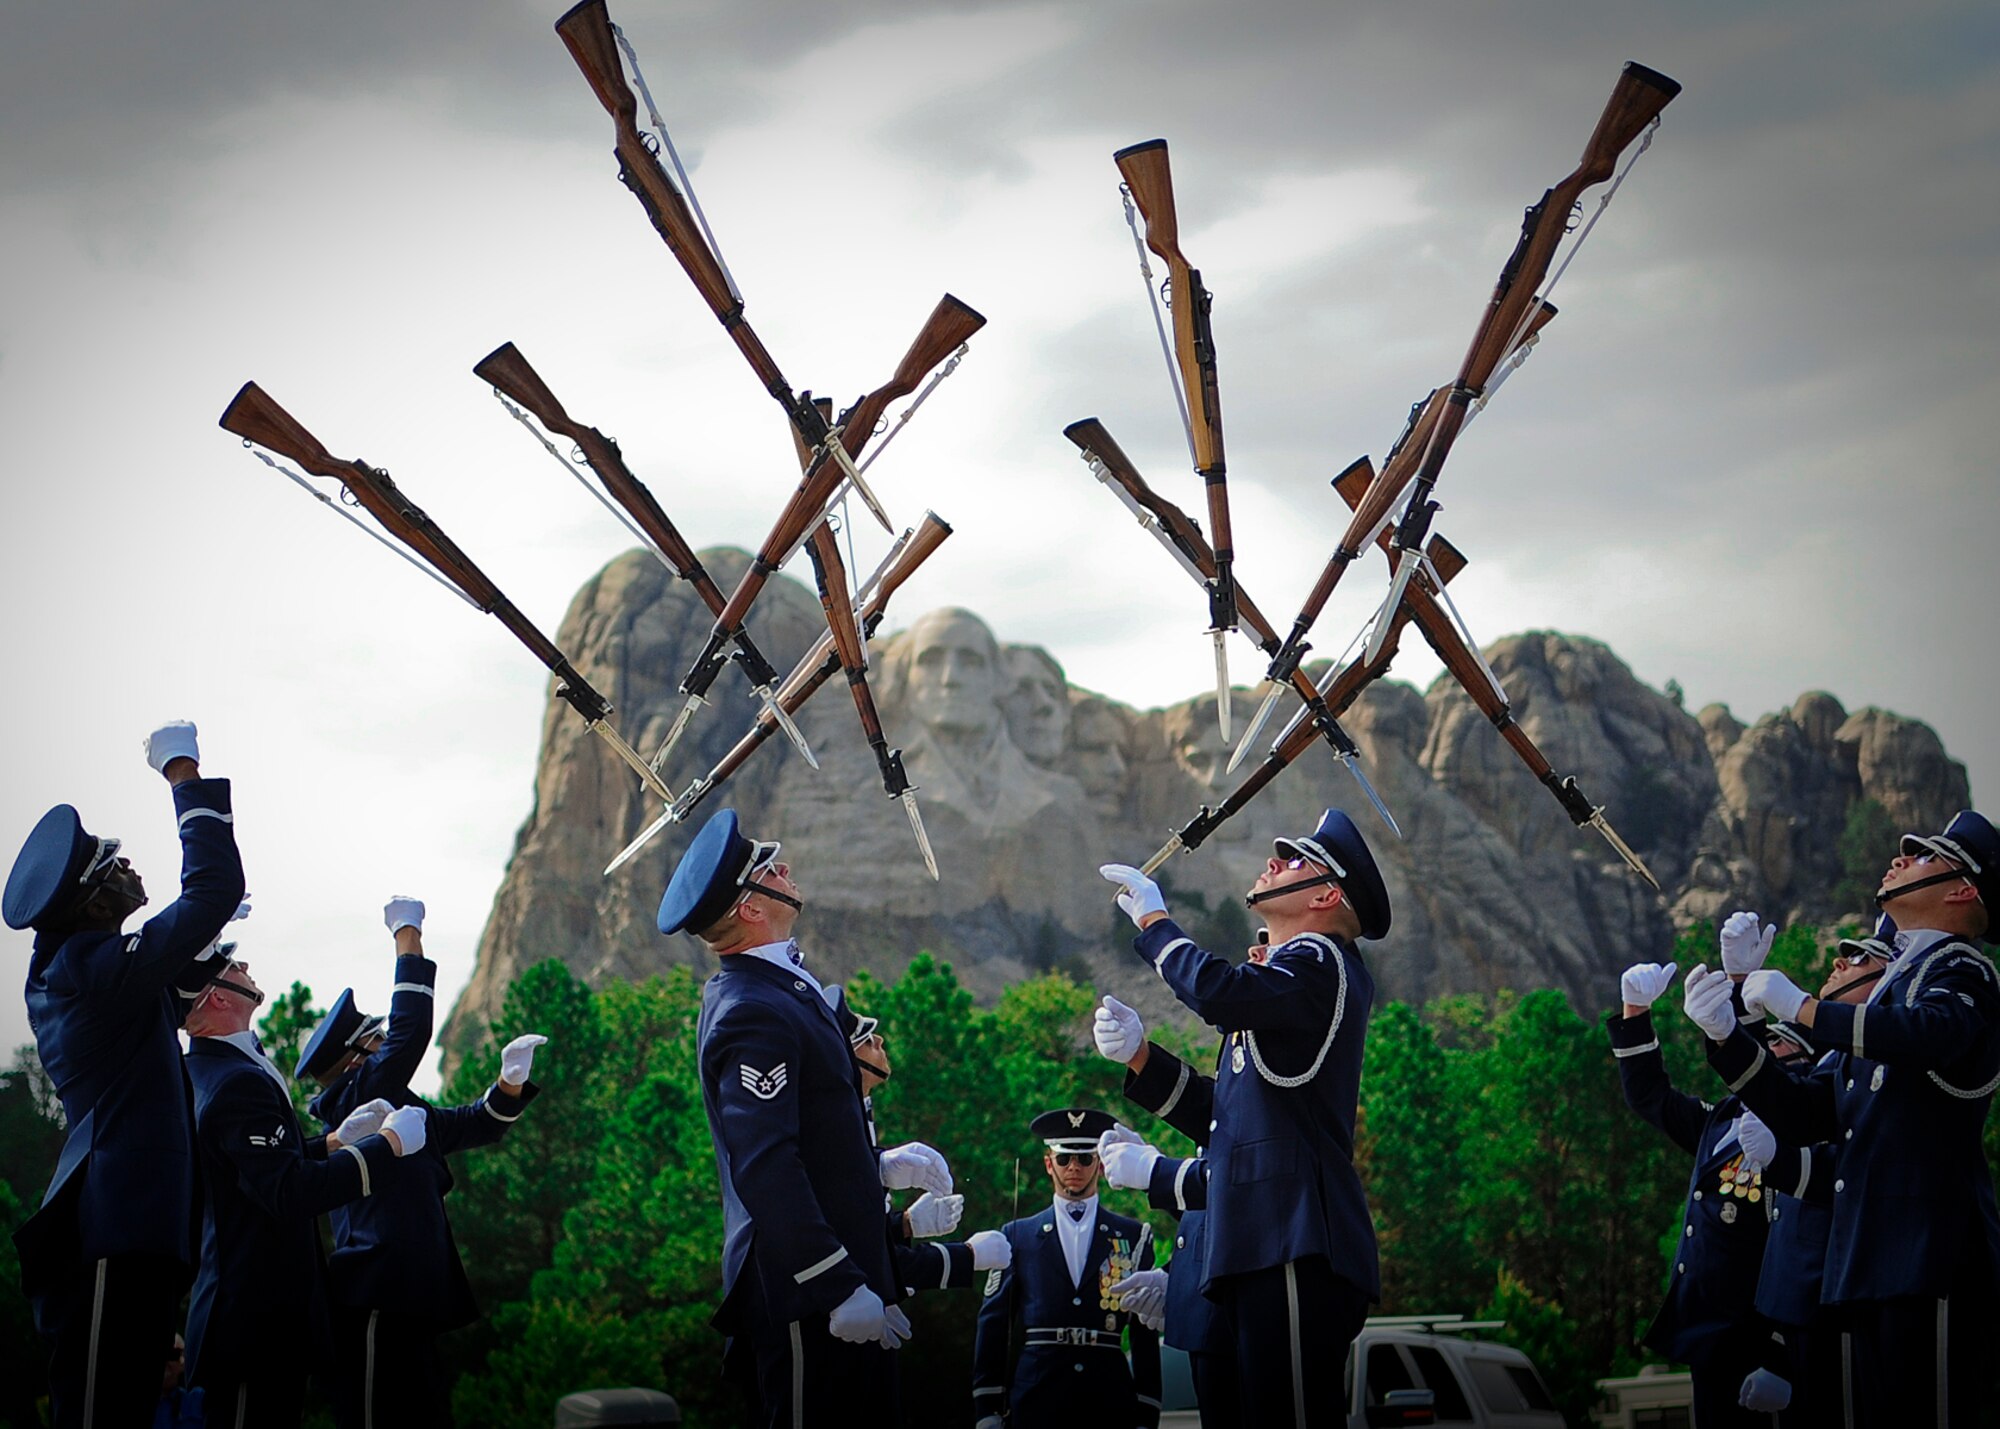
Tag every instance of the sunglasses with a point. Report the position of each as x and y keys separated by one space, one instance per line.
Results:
x=1295 y=864
x=1073 y=1158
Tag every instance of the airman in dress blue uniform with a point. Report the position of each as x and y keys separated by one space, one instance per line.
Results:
x=809 y=1285
x=395 y=1277
x=1913 y=1252
x=1056 y=1303
x=1290 y=1244
x=107 y=1256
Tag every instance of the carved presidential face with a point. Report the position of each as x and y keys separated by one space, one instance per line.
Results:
x=1037 y=705
x=1097 y=746
x=955 y=678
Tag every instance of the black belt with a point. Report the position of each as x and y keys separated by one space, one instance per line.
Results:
x=1074 y=1335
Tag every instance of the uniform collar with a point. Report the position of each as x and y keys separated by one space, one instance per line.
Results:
x=1911 y=944
x=782 y=956
x=246 y=1043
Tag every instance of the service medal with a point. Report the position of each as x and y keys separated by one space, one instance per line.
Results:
x=1755 y=1194
x=1729 y=1213
x=1236 y=1059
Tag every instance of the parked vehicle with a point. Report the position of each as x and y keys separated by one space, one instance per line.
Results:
x=1414 y=1369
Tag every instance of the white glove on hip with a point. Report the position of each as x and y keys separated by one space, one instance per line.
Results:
x=934 y=1215
x=1764 y=1393
x=914 y=1166
x=1643 y=983
x=1705 y=999
x=1759 y=1142
x=364 y=1120
x=895 y=1327
x=403 y=911
x=1145 y=1293
x=406 y=1124
x=1139 y=895
x=991 y=1421
x=990 y=1250
x=859 y=1318
x=1117 y=1030
x=1769 y=991
x=1745 y=944
x=173 y=740
x=1128 y=1166
x=517 y=1058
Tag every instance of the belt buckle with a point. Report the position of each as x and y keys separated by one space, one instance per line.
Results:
x=1072 y=1335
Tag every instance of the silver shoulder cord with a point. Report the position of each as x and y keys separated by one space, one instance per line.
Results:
x=1910 y=1000
x=1339 y=1012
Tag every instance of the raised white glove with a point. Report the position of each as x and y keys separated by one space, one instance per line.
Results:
x=517 y=1058
x=1770 y=991
x=991 y=1250
x=895 y=1327
x=1119 y=1132
x=1140 y=896
x=1643 y=983
x=859 y=1318
x=173 y=740
x=1764 y=1393
x=403 y=911
x=364 y=1120
x=933 y=1215
x=215 y=943
x=1745 y=944
x=1117 y=1030
x=1759 y=1142
x=1128 y=1166
x=913 y=1166
x=1705 y=999
x=406 y=1124
x=1145 y=1293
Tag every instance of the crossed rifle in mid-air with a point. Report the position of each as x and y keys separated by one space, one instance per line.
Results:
x=827 y=449
x=1392 y=509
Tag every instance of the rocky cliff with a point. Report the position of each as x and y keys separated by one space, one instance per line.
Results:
x=1027 y=784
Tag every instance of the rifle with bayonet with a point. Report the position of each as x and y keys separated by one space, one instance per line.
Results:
x=1635 y=105
x=1477 y=679
x=255 y=417
x=1177 y=531
x=1149 y=180
x=813 y=670
x=509 y=374
x=1343 y=685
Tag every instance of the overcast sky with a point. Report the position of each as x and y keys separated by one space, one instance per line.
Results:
x=1754 y=453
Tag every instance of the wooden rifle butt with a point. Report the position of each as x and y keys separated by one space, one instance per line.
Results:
x=509 y=373
x=254 y=415
x=1149 y=175
x=586 y=32
x=950 y=324
x=1636 y=101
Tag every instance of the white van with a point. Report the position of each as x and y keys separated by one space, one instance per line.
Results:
x=1417 y=1369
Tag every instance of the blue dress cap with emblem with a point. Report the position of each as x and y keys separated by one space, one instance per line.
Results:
x=857 y=1028
x=1072 y=1128
x=49 y=869
x=1971 y=842
x=708 y=877
x=1338 y=845
x=338 y=1031
x=1881 y=943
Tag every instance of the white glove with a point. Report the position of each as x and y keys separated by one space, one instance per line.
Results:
x=859 y=1318
x=403 y=911
x=895 y=1327
x=215 y=943
x=364 y=1120
x=517 y=1058
x=1119 y=1132
x=1745 y=944
x=173 y=740
x=1145 y=1293
x=990 y=1250
x=1140 y=896
x=1643 y=983
x=932 y=1215
x=406 y=1124
x=1764 y=1393
x=1759 y=1143
x=913 y=1166
x=1705 y=999
x=1128 y=1166
x=991 y=1421
x=1770 y=991
x=1117 y=1030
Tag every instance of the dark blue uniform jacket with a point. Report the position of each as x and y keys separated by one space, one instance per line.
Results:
x=259 y=1299
x=1194 y=1322
x=1071 y=1369
x=105 y=1008
x=1905 y=1098
x=1278 y=1116
x=802 y=1218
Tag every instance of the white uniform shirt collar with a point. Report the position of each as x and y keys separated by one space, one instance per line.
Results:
x=1911 y=945
x=1075 y=1234
x=246 y=1041
x=779 y=955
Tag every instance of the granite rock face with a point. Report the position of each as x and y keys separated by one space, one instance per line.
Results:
x=1027 y=784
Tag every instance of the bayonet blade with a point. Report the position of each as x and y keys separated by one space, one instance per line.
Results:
x=1354 y=768
x=851 y=474
x=908 y=799
x=694 y=702
x=1385 y=619
x=1257 y=722
x=784 y=722
x=1624 y=850
x=646 y=835
x=1167 y=851
x=1221 y=637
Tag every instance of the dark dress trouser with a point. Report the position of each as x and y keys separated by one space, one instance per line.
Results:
x=1216 y=1390
x=1903 y=1378
x=1717 y=1379
x=109 y=1325
x=389 y=1374
x=1293 y=1323
x=807 y=1379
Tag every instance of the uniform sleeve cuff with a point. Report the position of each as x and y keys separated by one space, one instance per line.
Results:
x=1160 y=1083
x=1840 y=1027
x=1632 y=1035
x=209 y=796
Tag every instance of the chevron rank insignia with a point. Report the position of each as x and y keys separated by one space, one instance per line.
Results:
x=993 y=1282
x=763 y=1085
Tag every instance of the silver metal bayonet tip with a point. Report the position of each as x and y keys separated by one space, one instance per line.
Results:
x=645 y=837
x=851 y=474
x=1167 y=851
x=1385 y=618
x=784 y=722
x=908 y=798
x=694 y=702
x=1624 y=850
x=1354 y=768
x=1221 y=639
x=1271 y=689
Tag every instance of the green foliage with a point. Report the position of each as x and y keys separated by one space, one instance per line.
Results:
x=283 y=1031
x=553 y=1348
x=31 y=1127
x=1868 y=840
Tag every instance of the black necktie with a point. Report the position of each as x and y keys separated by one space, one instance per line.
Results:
x=1075 y=1209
